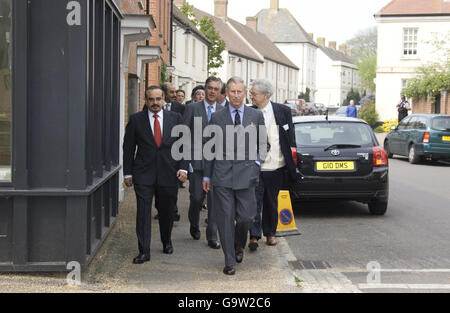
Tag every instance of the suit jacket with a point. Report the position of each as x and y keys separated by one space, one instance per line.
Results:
x=283 y=118
x=151 y=165
x=192 y=111
x=235 y=174
x=177 y=107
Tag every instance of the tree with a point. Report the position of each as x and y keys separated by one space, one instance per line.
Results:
x=305 y=95
x=352 y=95
x=206 y=26
x=433 y=77
x=369 y=114
x=364 y=50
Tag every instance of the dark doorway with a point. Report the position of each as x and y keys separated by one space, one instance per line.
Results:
x=437 y=105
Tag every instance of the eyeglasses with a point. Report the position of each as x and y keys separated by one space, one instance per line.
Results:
x=154 y=99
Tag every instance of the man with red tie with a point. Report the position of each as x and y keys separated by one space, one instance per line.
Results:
x=151 y=168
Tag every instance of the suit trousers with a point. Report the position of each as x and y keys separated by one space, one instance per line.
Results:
x=167 y=200
x=235 y=210
x=270 y=183
x=197 y=195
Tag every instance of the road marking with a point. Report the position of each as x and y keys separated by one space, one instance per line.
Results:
x=405 y=286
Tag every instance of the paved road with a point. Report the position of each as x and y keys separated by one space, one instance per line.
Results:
x=411 y=242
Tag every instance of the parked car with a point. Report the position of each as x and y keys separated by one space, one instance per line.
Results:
x=310 y=109
x=320 y=108
x=294 y=109
x=299 y=105
x=340 y=158
x=420 y=136
x=341 y=111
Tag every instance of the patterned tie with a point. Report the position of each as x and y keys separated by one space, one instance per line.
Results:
x=210 y=108
x=157 y=131
x=167 y=107
x=237 y=118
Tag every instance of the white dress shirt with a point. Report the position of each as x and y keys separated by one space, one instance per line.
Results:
x=152 y=120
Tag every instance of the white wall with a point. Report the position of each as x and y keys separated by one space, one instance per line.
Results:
x=304 y=56
x=197 y=63
x=393 y=67
x=332 y=85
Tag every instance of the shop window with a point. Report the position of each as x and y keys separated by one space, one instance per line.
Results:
x=5 y=89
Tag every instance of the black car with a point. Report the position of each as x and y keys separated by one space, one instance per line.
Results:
x=340 y=158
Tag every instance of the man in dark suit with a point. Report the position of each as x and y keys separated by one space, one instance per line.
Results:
x=278 y=162
x=222 y=97
x=201 y=112
x=152 y=169
x=170 y=100
x=170 y=104
x=233 y=171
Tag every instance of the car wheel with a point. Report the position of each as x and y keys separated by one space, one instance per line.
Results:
x=413 y=157
x=377 y=207
x=388 y=151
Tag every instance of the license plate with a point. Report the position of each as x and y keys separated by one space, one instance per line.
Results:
x=336 y=166
x=445 y=138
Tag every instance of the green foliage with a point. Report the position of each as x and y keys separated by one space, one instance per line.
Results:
x=431 y=80
x=434 y=77
x=217 y=44
x=352 y=95
x=206 y=26
x=369 y=114
x=164 y=79
x=305 y=95
x=368 y=71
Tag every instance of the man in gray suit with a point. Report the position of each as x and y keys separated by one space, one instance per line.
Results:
x=234 y=171
x=200 y=113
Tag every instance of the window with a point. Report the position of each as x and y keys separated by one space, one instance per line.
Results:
x=5 y=89
x=204 y=58
x=410 y=41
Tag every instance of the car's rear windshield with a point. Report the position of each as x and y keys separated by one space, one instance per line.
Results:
x=441 y=123
x=317 y=134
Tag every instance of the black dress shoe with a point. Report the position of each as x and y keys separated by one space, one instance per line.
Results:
x=239 y=255
x=168 y=249
x=229 y=270
x=176 y=217
x=253 y=245
x=195 y=233
x=214 y=244
x=141 y=258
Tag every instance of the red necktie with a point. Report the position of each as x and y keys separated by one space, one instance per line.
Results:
x=157 y=131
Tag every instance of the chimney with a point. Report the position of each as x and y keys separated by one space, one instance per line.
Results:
x=332 y=45
x=311 y=35
x=221 y=8
x=252 y=22
x=274 y=4
x=321 y=41
x=343 y=48
x=349 y=52
x=179 y=3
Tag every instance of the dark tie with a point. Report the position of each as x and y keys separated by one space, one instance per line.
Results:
x=237 y=118
x=157 y=131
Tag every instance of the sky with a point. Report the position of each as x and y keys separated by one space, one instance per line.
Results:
x=336 y=20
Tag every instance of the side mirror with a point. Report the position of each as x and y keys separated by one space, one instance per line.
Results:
x=393 y=127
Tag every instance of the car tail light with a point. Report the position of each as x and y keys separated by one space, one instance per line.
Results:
x=426 y=137
x=379 y=156
x=294 y=156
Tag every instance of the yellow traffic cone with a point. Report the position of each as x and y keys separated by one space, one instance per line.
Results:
x=286 y=221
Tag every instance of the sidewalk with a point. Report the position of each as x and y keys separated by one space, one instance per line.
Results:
x=193 y=268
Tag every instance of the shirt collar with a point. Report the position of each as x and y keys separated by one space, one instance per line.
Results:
x=241 y=109
x=160 y=113
x=207 y=104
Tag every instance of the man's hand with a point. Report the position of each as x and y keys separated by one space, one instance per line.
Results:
x=182 y=176
x=206 y=185
x=128 y=182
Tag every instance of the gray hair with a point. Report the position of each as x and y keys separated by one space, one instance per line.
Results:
x=264 y=86
x=236 y=80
